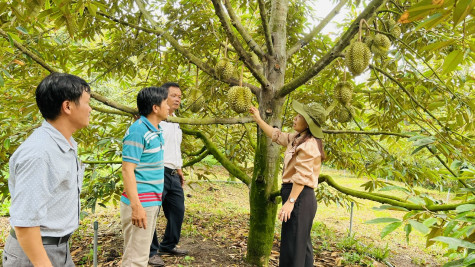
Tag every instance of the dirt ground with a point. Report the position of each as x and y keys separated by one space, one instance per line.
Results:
x=215 y=232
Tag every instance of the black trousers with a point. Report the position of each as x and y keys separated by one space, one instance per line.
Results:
x=173 y=205
x=296 y=244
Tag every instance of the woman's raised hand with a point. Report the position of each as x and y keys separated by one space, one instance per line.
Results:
x=255 y=113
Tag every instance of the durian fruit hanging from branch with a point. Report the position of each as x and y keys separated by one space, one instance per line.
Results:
x=380 y=45
x=343 y=114
x=239 y=97
x=224 y=67
x=343 y=92
x=358 y=55
x=196 y=97
x=393 y=28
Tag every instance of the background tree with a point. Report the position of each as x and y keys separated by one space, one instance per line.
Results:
x=411 y=120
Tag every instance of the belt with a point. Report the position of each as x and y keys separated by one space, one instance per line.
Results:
x=48 y=240
x=171 y=171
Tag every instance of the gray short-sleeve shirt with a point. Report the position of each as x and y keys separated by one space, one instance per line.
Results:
x=45 y=182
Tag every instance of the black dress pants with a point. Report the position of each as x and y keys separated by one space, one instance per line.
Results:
x=173 y=205
x=296 y=244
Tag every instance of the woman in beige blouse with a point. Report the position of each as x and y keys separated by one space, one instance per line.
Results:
x=302 y=162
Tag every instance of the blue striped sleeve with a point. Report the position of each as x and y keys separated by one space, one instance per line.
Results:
x=133 y=147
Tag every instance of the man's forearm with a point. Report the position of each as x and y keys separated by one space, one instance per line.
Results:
x=30 y=241
x=130 y=184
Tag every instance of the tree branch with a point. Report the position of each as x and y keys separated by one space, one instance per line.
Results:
x=27 y=52
x=49 y=68
x=307 y=38
x=333 y=53
x=385 y=200
x=366 y=133
x=184 y=51
x=381 y=198
x=245 y=57
x=407 y=93
x=111 y=111
x=448 y=168
x=265 y=26
x=196 y=159
x=236 y=21
x=197 y=153
x=227 y=164
x=205 y=121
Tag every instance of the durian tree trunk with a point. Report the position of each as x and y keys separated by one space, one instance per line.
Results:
x=267 y=157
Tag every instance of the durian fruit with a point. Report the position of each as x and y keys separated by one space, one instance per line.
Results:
x=393 y=28
x=357 y=57
x=381 y=44
x=343 y=92
x=224 y=68
x=343 y=115
x=197 y=100
x=239 y=98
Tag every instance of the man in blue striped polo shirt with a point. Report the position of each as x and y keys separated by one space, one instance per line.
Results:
x=143 y=172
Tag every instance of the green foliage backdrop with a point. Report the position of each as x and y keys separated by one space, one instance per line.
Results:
x=412 y=114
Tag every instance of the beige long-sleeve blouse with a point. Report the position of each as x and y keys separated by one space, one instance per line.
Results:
x=302 y=164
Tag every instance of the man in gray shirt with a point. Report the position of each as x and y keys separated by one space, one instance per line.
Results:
x=46 y=177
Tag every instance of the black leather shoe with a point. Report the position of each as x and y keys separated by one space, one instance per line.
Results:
x=156 y=261
x=175 y=251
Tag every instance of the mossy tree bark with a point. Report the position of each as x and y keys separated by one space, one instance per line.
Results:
x=267 y=159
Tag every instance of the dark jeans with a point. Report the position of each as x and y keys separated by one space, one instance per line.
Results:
x=296 y=244
x=173 y=206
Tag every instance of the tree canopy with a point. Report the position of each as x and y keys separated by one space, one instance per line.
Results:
x=409 y=119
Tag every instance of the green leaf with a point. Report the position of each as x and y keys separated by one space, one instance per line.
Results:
x=455 y=263
x=390 y=228
x=429 y=222
x=452 y=61
x=6 y=143
x=389 y=207
x=424 y=141
x=382 y=220
x=455 y=164
x=417 y=149
x=2 y=82
x=470 y=259
x=92 y=9
x=417 y=200
x=408 y=230
x=466 y=207
x=419 y=226
x=463 y=8
x=436 y=104
x=450 y=226
x=22 y=30
x=433 y=20
x=454 y=242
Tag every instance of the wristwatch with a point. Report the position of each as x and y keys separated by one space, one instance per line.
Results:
x=291 y=200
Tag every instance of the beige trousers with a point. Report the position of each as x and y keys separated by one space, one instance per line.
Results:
x=137 y=240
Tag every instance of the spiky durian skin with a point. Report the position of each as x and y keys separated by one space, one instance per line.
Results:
x=343 y=115
x=224 y=68
x=381 y=44
x=196 y=99
x=393 y=28
x=239 y=98
x=357 y=57
x=343 y=92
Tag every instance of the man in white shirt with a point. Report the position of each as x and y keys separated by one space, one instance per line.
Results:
x=173 y=197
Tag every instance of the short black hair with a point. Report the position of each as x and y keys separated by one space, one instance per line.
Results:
x=149 y=96
x=57 y=88
x=170 y=84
